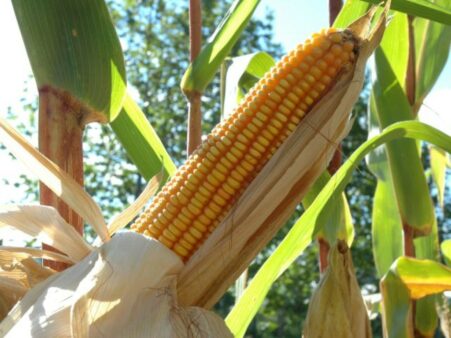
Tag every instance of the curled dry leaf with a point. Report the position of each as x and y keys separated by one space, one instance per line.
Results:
x=54 y=178
x=125 y=288
x=336 y=308
x=45 y=224
x=18 y=273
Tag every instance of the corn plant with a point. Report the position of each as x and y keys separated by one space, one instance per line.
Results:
x=216 y=212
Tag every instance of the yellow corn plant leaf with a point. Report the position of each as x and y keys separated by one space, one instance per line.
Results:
x=409 y=279
x=446 y=251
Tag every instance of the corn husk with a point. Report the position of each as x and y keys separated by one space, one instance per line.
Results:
x=337 y=308
x=125 y=288
x=273 y=196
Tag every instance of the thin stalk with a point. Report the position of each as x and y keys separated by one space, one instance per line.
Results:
x=60 y=139
x=194 y=105
x=334 y=8
x=408 y=231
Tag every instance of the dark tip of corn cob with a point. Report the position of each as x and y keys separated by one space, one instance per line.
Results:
x=204 y=189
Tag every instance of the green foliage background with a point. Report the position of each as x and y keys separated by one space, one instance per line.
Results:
x=154 y=35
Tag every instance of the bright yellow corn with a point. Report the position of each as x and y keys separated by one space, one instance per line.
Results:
x=198 y=197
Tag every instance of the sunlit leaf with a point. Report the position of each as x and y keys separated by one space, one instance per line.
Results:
x=446 y=251
x=202 y=70
x=242 y=73
x=438 y=160
x=73 y=49
x=421 y=8
x=432 y=41
x=302 y=232
x=142 y=142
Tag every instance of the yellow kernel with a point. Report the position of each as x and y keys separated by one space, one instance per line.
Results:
x=314 y=94
x=276 y=123
x=204 y=219
x=275 y=97
x=252 y=128
x=310 y=79
x=336 y=37
x=296 y=72
x=326 y=79
x=248 y=133
x=209 y=186
x=336 y=49
x=279 y=89
x=196 y=233
x=198 y=226
x=209 y=213
x=198 y=200
x=226 y=162
x=282 y=117
x=325 y=44
x=348 y=46
x=272 y=130
x=271 y=104
x=221 y=168
x=183 y=242
x=188 y=214
x=261 y=116
x=298 y=91
x=292 y=98
x=317 y=51
x=304 y=67
x=180 y=250
x=263 y=141
x=258 y=123
x=246 y=165
x=236 y=152
x=218 y=199
x=267 y=134
x=240 y=146
x=223 y=194
x=165 y=241
x=183 y=218
x=189 y=238
x=291 y=78
x=284 y=110
x=316 y=72
x=284 y=83
x=213 y=180
x=219 y=176
x=232 y=182
x=231 y=157
x=309 y=100
x=242 y=138
x=254 y=153
x=305 y=86
x=321 y=64
x=214 y=151
x=309 y=59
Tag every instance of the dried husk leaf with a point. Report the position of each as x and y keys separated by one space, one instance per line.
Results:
x=337 y=308
x=272 y=197
x=18 y=273
x=127 y=215
x=54 y=178
x=45 y=224
x=39 y=253
x=125 y=288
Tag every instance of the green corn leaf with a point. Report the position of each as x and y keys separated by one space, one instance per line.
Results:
x=438 y=160
x=141 y=142
x=386 y=228
x=421 y=8
x=200 y=73
x=445 y=247
x=339 y=223
x=411 y=191
x=242 y=73
x=74 y=50
x=351 y=11
x=310 y=222
x=432 y=41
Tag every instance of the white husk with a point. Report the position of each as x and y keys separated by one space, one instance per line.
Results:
x=125 y=288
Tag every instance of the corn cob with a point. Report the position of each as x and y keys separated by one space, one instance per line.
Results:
x=204 y=189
